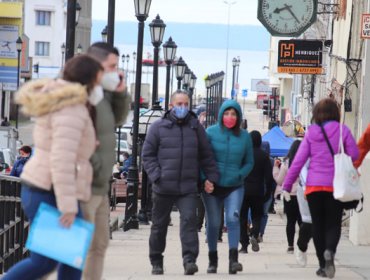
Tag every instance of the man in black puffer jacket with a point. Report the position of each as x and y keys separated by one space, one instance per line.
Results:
x=175 y=148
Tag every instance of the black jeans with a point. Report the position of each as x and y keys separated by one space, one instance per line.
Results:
x=326 y=213
x=200 y=212
x=293 y=215
x=304 y=236
x=255 y=204
x=162 y=206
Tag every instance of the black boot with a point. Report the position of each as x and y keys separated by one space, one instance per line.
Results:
x=213 y=262
x=234 y=265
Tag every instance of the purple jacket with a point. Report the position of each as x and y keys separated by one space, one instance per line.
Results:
x=315 y=148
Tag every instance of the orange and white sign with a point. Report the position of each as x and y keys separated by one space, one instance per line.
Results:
x=365 y=26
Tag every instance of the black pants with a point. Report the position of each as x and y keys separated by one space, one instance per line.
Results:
x=326 y=213
x=255 y=204
x=304 y=236
x=293 y=215
x=200 y=212
x=162 y=206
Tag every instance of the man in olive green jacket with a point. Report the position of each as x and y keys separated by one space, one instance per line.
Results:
x=111 y=103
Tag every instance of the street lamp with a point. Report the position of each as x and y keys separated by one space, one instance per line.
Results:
x=78 y=11
x=63 y=49
x=193 y=80
x=104 y=34
x=229 y=4
x=180 y=68
x=123 y=58
x=157 y=28
x=133 y=65
x=207 y=82
x=234 y=63
x=79 y=49
x=187 y=78
x=169 y=51
x=73 y=15
x=131 y=221
x=19 y=44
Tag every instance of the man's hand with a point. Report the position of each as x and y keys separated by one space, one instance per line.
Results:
x=122 y=85
x=208 y=186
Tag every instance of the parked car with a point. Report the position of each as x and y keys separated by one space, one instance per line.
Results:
x=7 y=159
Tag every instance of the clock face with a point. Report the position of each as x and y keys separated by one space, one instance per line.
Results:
x=287 y=17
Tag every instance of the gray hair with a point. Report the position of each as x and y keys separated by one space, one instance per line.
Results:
x=178 y=92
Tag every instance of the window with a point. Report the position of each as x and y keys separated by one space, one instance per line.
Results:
x=43 y=18
x=42 y=48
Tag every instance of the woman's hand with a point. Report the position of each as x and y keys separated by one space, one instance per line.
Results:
x=208 y=186
x=277 y=162
x=67 y=219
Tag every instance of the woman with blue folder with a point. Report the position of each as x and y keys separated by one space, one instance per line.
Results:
x=59 y=173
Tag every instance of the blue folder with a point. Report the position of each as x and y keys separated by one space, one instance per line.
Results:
x=66 y=245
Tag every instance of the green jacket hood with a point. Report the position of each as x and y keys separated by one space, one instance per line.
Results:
x=227 y=105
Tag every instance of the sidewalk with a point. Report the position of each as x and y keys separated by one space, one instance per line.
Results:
x=127 y=256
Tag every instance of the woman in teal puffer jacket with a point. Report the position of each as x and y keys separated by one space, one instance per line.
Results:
x=233 y=149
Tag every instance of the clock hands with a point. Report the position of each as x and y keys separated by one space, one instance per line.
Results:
x=289 y=9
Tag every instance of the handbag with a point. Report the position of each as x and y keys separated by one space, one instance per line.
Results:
x=346 y=181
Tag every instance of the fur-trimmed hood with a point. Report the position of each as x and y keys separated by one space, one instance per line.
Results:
x=45 y=96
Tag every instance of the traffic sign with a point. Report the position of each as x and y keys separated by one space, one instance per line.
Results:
x=245 y=92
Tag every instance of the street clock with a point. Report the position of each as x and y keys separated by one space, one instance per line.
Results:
x=287 y=18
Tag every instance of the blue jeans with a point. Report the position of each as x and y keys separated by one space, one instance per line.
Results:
x=213 y=205
x=266 y=207
x=36 y=266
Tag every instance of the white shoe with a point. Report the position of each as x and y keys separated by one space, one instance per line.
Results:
x=301 y=257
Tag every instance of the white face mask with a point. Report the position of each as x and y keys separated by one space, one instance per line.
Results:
x=96 y=95
x=110 y=81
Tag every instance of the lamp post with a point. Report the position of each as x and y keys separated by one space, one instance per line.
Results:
x=180 y=68
x=63 y=49
x=208 y=85
x=233 y=81
x=191 y=88
x=104 y=34
x=131 y=221
x=169 y=51
x=123 y=58
x=157 y=28
x=229 y=4
x=73 y=14
x=19 y=43
x=78 y=12
x=110 y=27
x=187 y=78
x=127 y=71
x=79 y=49
x=133 y=65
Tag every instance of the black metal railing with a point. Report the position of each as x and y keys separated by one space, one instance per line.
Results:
x=13 y=223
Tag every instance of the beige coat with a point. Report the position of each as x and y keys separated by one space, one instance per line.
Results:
x=64 y=140
x=280 y=173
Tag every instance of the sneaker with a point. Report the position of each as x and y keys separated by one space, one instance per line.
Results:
x=254 y=243
x=290 y=250
x=190 y=268
x=157 y=269
x=243 y=250
x=321 y=273
x=301 y=257
x=329 y=264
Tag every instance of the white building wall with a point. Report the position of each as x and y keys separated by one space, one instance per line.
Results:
x=49 y=66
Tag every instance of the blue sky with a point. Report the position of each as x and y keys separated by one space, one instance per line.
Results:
x=243 y=12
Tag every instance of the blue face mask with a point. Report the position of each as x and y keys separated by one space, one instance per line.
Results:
x=180 y=111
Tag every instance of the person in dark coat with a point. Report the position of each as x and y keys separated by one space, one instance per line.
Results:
x=175 y=148
x=257 y=190
x=24 y=155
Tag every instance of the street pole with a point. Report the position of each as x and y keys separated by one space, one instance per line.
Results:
x=70 y=29
x=155 y=75
x=18 y=76
x=168 y=77
x=111 y=16
x=227 y=41
x=233 y=84
x=131 y=219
